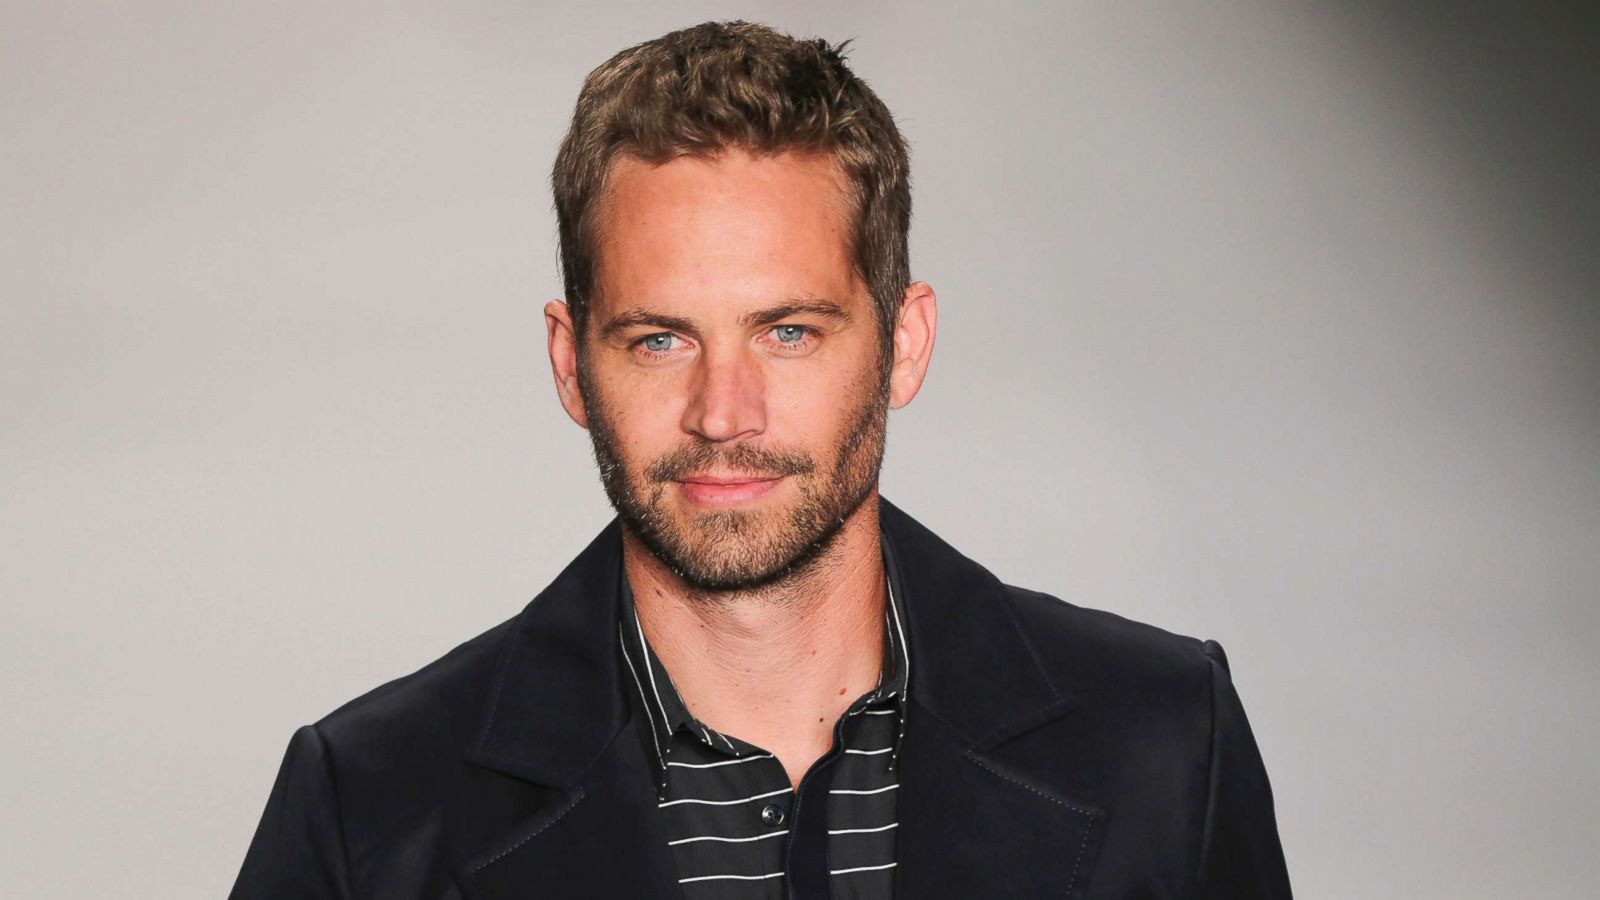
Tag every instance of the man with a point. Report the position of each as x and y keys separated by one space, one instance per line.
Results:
x=763 y=680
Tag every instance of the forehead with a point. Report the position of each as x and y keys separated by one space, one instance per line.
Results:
x=737 y=228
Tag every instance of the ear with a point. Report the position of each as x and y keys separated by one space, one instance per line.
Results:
x=913 y=342
x=563 y=341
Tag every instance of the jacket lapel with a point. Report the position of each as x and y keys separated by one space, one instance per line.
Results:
x=597 y=839
x=558 y=718
x=985 y=803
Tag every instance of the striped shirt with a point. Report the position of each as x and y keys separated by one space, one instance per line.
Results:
x=728 y=810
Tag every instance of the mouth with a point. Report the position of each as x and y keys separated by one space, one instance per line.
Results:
x=726 y=490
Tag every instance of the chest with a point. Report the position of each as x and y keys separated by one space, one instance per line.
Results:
x=739 y=827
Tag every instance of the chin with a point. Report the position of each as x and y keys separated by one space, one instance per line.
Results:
x=747 y=548
x=735 y=549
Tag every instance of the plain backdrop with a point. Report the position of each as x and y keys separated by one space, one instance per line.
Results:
x=1265 y=323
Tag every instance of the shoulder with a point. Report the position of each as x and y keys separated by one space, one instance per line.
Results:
x=1094 y=652
x=1085 y=652
x=1144 y=696
x=437 y=707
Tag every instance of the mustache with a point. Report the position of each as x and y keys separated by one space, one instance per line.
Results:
x=743 y=458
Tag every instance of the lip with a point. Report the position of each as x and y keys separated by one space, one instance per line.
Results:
x=725 y=490
x=703 y=478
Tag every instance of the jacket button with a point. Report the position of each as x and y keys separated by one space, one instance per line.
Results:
x=772 y=814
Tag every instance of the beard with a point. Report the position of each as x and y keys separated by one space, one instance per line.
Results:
x=741 y=550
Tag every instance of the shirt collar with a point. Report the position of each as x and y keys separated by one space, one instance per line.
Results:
x=658 y=701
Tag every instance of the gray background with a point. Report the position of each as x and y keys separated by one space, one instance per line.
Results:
x=1275 y=325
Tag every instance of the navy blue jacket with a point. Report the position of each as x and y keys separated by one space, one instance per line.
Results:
x=1050 y=751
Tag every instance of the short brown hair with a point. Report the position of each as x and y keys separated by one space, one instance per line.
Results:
x=722 y=85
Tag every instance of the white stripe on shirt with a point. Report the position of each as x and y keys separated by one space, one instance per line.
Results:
x=668 y=803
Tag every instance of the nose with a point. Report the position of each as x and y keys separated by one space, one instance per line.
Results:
x=727 y=396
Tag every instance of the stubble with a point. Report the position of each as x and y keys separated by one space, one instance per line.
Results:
x=725 y=551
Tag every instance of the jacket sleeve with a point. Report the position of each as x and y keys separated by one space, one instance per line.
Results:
x=298 y=850
x=1240 y=856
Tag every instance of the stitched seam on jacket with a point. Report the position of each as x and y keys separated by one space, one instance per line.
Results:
x=338 y=807
x=1038 y=664
x=499 y=682
x=526 y=838
x=1072 y=877
x=1211 y=762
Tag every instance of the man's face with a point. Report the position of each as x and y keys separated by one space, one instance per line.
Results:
x=730 y=368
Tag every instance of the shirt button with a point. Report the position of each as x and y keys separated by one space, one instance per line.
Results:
x=772 y=814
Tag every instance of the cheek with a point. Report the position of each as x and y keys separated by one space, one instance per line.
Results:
x=643 y=416
x=817 y=408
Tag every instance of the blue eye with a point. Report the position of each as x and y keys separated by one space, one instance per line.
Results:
x=789 y=334
x=658 y=343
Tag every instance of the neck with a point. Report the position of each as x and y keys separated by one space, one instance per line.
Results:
x=775 y=666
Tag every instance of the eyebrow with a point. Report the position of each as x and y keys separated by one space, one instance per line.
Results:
x=641 y=316
x=773 y=314
x=644 y=316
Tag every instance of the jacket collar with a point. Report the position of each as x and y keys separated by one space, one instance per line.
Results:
x=976 y=668
x=557 y=698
